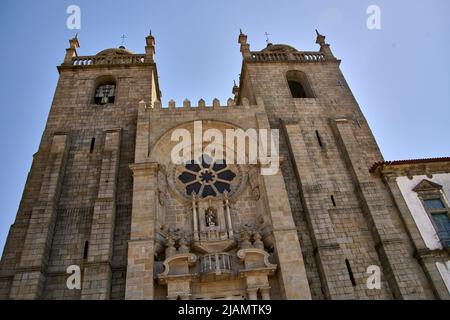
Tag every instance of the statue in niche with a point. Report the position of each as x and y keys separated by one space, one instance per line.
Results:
x=210 y=216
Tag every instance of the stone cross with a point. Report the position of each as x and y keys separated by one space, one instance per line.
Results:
x=123 y=39
x=267 y=37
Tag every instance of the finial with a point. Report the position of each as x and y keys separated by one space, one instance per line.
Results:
x=235 y=89
x=150 y=32
x=245 y=47
x=240 y=31
x=74 y=44
x=320 y=38
x=324 y=47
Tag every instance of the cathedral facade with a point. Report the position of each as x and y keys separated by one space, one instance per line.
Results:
x=104 y=195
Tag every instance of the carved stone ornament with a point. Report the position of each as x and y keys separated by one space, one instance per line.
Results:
x=161 y=197
x=256 y=193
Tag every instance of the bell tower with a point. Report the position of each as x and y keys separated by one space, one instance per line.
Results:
x=328 y=148
x=76 y=206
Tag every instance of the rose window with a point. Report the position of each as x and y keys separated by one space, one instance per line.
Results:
x=207 y=177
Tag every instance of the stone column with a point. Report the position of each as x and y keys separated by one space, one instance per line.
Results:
x=97 y=273
x=195 y=217
x=228 y=213
x=139 y=282
x=265 y=293
x=142 y=133
x=29 y=280
x=291 y=268
x=252 y=293
x=328 y=252
x=397 y=263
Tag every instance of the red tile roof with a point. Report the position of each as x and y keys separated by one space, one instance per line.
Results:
x=411 y=161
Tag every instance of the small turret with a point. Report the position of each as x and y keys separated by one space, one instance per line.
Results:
x=71 y=52
x=235 y=91
x=324 y=47
x=150 y=48
x=245 y=47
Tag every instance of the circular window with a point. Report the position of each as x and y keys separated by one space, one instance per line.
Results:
x=207 y=177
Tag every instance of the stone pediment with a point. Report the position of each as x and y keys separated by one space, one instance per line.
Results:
x=426 y=186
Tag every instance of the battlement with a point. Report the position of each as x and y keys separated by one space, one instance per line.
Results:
x=216 y=105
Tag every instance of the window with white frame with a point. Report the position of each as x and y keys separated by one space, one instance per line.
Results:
x=436 y=207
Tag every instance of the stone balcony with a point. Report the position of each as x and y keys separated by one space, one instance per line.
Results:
x=303 y=56
x=216 y=263
x=132 y=59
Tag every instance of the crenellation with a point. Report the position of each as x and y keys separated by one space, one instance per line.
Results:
x=157 y=104
x=216 y=106
x=216 y=103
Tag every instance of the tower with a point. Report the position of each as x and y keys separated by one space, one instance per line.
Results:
x=76 y=206
x=345 y=219
x=104 y=194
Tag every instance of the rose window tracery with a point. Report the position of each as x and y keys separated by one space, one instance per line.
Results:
x=207 y=177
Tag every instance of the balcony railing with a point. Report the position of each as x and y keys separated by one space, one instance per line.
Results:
x=215 y=263
x=303 y=56
x=105 y=60
x=213 y=235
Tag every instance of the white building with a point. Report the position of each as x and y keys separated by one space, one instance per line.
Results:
x=421 y=191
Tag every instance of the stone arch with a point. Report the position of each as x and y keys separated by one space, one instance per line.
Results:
x=109 y=83
x=160 y=150
x=299 y=85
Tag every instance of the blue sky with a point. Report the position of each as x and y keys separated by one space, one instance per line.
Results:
x=399 y=74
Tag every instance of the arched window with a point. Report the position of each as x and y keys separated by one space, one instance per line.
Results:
x=297 y=90
x=105 y=94
x=299 y=85
x=105 y=90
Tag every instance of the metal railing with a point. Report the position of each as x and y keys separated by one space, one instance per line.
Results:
x=215 y=262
